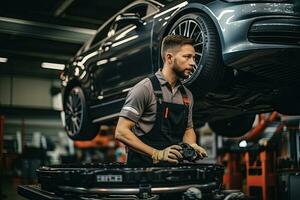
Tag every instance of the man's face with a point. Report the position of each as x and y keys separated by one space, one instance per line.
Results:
x=184 y=61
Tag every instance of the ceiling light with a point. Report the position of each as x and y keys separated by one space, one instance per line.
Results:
x=53 y=66
x=3 y=60
x=243 y=143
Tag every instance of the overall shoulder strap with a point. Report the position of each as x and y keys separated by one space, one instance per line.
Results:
x=185 y=97
x=156 y=87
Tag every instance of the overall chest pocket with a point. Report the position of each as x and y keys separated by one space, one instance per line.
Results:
x=174 y=119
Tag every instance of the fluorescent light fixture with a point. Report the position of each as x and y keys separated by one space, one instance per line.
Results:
x=243 y=143
x=3 y=60
x=53 y=66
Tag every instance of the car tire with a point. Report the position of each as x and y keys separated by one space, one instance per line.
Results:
x=209 y=69
x=233 y=127
x=77 y=122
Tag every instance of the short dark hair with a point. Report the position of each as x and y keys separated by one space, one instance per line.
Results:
x=174 y=41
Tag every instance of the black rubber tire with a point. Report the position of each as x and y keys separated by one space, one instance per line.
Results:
x=210 y=69
x=77 y=122
x=233 y=127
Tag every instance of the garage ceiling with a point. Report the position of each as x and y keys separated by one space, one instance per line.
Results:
x=36 y=31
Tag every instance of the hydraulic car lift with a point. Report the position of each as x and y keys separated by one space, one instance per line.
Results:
x=233 y=177
x=260 y=174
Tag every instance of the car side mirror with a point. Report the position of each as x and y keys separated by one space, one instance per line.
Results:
x=129 y=18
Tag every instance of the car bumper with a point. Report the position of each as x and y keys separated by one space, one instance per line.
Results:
x=261 y=38
x=275 y=31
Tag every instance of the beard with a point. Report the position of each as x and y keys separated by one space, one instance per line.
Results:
x=180 y=73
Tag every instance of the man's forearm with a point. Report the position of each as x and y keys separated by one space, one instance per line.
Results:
x=133 y=142
x=189 y=136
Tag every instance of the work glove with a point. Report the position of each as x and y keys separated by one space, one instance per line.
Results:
x=170 y=154
x=201 y=152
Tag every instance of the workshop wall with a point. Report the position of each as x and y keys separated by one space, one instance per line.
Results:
x=26 y=91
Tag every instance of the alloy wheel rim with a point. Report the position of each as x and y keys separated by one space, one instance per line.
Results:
x=74 y=112
x=192 y=29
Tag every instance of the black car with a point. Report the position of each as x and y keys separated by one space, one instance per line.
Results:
x=247 y=56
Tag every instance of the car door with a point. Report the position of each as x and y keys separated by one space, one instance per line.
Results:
x=101 y=73
x=127 y=52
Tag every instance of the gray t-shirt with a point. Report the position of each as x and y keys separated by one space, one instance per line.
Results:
x=140 y=105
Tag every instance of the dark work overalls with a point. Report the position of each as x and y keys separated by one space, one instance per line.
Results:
x=169 y=127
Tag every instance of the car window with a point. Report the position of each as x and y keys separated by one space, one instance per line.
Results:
x=139 y=9
x=142 y=10
x=103 y=33
x=151 y=9
x=118 y=26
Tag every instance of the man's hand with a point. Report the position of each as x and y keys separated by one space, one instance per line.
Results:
x=201 y=152
x=170 y=154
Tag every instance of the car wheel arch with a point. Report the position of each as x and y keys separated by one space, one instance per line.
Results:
x=180 y=14
x=72 y=83
x=214 y=72
x=188 y=10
